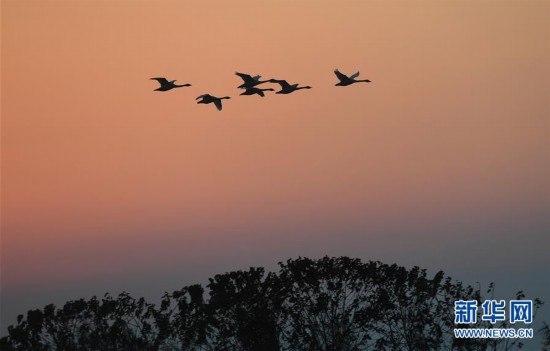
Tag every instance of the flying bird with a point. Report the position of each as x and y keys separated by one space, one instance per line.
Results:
x=345 y=80
x=165 y=84
x=250 y=81
x=207 y=99
x=259 y=91
x=287 y=88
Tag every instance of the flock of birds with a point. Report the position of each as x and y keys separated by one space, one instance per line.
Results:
x=250 y=86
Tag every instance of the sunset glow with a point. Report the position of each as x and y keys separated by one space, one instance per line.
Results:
x=108 y=185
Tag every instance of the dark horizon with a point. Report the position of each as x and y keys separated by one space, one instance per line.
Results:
x=331 y=303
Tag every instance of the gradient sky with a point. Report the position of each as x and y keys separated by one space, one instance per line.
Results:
x=443 y=161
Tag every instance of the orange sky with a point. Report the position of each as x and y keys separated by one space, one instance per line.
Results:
x=110 y=185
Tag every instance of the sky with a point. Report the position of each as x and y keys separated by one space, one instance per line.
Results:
x=443 y=161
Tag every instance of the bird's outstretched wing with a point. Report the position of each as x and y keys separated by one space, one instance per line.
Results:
x=162 y=81
x=355 y=75
x=257 y=78
x=283 y=83
x=218 y=104
x=245 y=77
x=340 y=75
x=202 y=96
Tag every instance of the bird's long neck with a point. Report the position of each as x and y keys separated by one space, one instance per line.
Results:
x=363 y=80
x=225 y=97
x=306 y=87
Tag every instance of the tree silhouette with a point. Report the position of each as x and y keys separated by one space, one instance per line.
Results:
x=243 y=310
x=239 y=315
x=107 y=324
x=328 y=304
x=545 y=331
x=182 y=319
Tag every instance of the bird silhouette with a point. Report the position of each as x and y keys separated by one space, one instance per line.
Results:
x=345 y=80
x=166 y=85
x=250 y=81
x=207 y=99
x=287 y=88
x=259 y=91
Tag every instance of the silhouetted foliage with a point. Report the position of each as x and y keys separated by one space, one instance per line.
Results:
x=107 y=324
x=545 y=331
x=330 y=304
